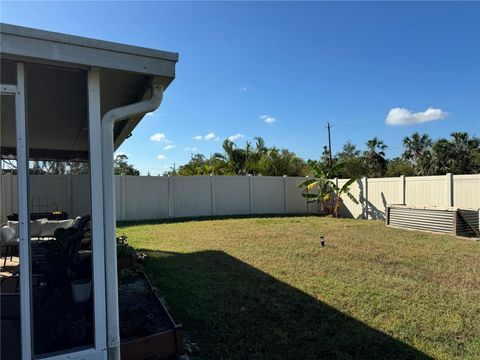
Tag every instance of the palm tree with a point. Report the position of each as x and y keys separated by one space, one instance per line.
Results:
x=254 y=156
x=415 y=147
x=234 y=157
x=260 y=146
x=438 y=161
x=376 y=144
x=462 y=153
x=374 y=157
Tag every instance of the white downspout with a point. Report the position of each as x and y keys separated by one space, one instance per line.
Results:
x=108 y=122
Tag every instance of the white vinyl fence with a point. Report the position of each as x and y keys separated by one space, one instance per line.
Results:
x=152 y=197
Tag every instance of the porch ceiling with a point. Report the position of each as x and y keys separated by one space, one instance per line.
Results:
x=56 y=68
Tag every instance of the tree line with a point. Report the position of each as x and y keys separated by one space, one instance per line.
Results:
x=458 y=154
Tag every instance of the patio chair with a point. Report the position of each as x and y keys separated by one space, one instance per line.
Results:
x=61 y=259
x=8 y=244
x=46 y=264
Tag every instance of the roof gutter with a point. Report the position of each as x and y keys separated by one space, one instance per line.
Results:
x=108 y=121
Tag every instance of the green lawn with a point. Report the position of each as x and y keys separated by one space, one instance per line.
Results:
x=263 y=288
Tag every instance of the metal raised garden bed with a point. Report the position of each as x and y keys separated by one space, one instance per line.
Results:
x=455 y=221
x=147 y=330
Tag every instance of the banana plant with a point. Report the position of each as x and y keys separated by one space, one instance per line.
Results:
x=322 y=189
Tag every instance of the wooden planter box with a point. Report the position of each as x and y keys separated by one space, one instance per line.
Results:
x=165 y=344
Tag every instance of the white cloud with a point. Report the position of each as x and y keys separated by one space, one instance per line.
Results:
x=236 y=137
x=268 y=119
x=209 y=136
x=190 y=149
x=244 y=88
x=170 y=146
x=158 y=137
x=217 y=138
x=402 y=116
x=161 y=157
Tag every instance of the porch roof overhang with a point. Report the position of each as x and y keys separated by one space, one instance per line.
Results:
x=126 y=73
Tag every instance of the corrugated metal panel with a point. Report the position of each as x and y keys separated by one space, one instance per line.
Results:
x=472 y=217
x=422 y=219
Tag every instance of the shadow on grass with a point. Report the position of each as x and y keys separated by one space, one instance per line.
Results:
x=233 y=311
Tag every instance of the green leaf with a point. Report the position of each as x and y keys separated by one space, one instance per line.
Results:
x=307 y=182
x=346 y=187
x=334 y=169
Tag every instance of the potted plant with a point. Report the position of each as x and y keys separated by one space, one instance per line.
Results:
x=81 y=290
x=126 y=256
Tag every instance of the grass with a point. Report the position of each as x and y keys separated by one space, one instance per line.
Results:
x=263 y=288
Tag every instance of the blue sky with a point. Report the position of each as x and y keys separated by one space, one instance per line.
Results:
x=281 y=70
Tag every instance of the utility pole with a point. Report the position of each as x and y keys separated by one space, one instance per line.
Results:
x=329 y=146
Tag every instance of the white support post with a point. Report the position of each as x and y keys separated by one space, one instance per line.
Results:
x=97 y=222
x=450 y=191
x=212 y=195
x=403 y=190
x=23 y=216
x=250 y=194
x=285 y=204
x=170 y=197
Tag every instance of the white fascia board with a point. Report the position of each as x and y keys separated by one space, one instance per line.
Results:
x=25 y=43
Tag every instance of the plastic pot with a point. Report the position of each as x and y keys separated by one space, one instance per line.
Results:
x=81 y=290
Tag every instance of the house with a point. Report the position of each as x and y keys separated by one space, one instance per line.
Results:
x=72 y=100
